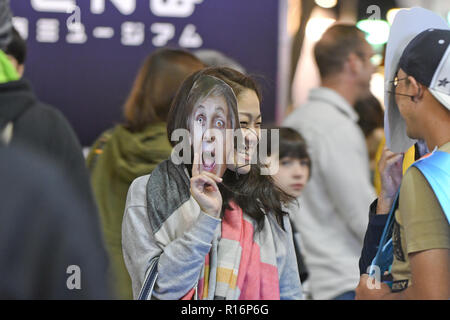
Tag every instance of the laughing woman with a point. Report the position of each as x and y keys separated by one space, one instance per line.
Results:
x=215 y=234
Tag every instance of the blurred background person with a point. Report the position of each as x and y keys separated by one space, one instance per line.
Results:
x=17 y=52
x=26 y=122
x=333 y=219
x=48 y=220
x=49 y=247
x=371 y=118
x=134 y=148
x=294 y=172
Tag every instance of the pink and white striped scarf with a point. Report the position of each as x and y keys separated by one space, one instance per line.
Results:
x=241 y=264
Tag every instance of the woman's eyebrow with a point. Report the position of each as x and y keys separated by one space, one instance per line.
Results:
x=247 y=114
x=220 y=109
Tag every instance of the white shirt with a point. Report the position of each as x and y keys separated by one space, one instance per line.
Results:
x=333 y=217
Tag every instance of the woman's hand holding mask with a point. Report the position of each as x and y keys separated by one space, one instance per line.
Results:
x=204 y=189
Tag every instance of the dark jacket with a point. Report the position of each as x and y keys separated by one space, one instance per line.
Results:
x=43 y=130
x=45 y=228
x=372 y=238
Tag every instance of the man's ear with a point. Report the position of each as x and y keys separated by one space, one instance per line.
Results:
x=354 y=63
x=415 y=88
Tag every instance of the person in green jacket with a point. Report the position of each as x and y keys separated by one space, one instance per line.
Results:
x=134 y=148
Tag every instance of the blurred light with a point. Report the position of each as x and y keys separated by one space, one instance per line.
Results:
x=377 y=30
x=317 y=26
x=390 y=15
x=326 y=3
x=376 y=59
x=448 y=17
x=377 y=86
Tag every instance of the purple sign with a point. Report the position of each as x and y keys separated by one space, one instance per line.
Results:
x=84 y=55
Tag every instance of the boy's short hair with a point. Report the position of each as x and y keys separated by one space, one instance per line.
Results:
x=292 y=144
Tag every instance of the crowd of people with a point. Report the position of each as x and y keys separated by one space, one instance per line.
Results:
x=195 y=196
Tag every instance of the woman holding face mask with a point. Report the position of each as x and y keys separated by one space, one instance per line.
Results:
x=201 y=222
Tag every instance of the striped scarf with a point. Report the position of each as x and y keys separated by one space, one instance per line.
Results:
x=241 y=264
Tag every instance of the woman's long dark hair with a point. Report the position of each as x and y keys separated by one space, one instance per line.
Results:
x=255 y=194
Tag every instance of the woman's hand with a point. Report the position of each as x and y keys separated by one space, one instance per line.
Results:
x=391 y=172
x=204 y=189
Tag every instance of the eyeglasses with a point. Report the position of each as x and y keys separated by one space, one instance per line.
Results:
x=395 y=84
x=396 y=81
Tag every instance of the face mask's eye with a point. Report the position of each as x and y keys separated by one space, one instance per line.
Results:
x=200 y=120
x=220 y=124
x=243 y=124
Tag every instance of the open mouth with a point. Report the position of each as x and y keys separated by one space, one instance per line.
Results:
x=208 y=161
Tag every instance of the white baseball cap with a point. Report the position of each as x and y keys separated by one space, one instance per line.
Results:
x=415 y=44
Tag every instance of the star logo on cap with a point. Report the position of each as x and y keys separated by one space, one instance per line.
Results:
x=443 y=82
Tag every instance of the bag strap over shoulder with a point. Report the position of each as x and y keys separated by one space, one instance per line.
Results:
x=150 y=280
x=436 y=169
x=384 y=256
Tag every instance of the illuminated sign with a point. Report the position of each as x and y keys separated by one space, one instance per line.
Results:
x=84 y=55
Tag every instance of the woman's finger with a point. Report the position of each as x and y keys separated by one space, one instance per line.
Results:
x=386 y=158
x=203 y=180
x=196 y=165
x=396 y=159
x=212 y=176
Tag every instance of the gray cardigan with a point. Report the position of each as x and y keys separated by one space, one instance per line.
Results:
x=181 y=260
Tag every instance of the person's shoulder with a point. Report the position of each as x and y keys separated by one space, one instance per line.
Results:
x=305 y=122
x=137 y=193
x=44 y=113
x=282 y=230
x=416 y=190
x=412 y=177
x=316 y=118
x=158 y=183
x=305 y=111
x=44 y=119
x=99 y=144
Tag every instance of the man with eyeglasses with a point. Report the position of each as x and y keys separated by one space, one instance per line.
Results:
x=420 y=226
